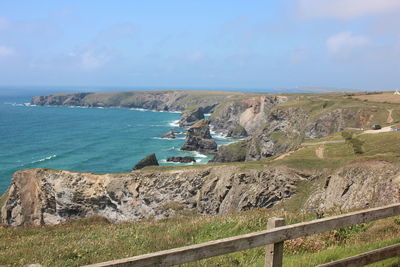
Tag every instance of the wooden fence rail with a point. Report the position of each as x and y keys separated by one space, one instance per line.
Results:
x=253 y=240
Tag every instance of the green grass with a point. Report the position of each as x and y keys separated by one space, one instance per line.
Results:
x=358 y=147
x=94 y=240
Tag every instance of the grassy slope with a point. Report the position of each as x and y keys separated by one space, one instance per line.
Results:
x=94 y=240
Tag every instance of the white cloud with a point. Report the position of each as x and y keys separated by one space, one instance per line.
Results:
x=345 y=42
x=346 y=9
x=91 y=57
x=6 y=51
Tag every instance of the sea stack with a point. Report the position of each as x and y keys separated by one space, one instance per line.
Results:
x=198 y=138
x=191 y=116
x=150 y=160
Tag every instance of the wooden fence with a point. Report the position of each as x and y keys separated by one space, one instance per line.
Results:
x=273 y=237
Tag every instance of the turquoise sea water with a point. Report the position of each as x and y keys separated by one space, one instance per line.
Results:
x=84 y=139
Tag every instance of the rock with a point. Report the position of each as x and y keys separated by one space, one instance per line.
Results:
x=186 y=159
x=45 y=196
x=231 y=153
x=150 y=160
x=169 y=135
x=358 y=185
x=42 y=196
x=237 y=131
x=191 y=116
x=198 y=138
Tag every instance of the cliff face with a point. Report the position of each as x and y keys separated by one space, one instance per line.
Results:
x=248 y=113
x=359 y=185
x=283 y=127
x=40 y=196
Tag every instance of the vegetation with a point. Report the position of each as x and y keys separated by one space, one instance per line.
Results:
x=94 y=240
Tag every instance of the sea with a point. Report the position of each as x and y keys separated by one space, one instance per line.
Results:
x=99 y=140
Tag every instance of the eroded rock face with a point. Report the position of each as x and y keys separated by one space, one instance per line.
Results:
x=150 y=160
x=360 y=185
x=198 y=138
x=190 y=117
x=40 y=196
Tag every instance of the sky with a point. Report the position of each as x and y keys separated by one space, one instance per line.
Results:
x=201 y=44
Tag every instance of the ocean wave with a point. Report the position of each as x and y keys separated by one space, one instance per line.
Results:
x=153 y=110
x=174 y=123
x=138 y=109
x=44 y=159
x=219 y=136
x=170 y=139
x=198 y=155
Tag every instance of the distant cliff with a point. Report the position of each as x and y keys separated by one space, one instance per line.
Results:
x=152 y=100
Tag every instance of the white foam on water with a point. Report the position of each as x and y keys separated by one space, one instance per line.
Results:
x=174 y=123
x=44 y=159
x=138 y=109
x=199 y=155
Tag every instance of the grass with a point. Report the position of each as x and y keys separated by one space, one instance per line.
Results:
x=358 y=147
x=94 y=240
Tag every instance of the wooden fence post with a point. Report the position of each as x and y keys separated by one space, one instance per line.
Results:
x=274 y=252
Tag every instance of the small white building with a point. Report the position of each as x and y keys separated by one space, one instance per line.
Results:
x=397 y=92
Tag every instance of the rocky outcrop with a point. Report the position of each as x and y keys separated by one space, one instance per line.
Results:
x=169 y=135
x=186 y=159
x=191 y=116
x=198 y=138
x=43 y=196
x=231 y=153
x=237 y=132
x=150 y=160
x=40 y=196
x=359 y=185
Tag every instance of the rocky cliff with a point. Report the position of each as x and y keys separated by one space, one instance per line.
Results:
x=359 y=185
x=152 y=100
x=191 y=116
x=42 y=196
x=283 y=125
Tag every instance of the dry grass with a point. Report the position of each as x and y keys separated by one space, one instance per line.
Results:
x=387 y=97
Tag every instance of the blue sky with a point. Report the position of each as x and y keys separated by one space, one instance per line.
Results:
x=201 y=44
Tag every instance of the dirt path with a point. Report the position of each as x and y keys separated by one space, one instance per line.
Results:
x=320 y=151
x=383 y=130
x=390 y=118
x=323 y=143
